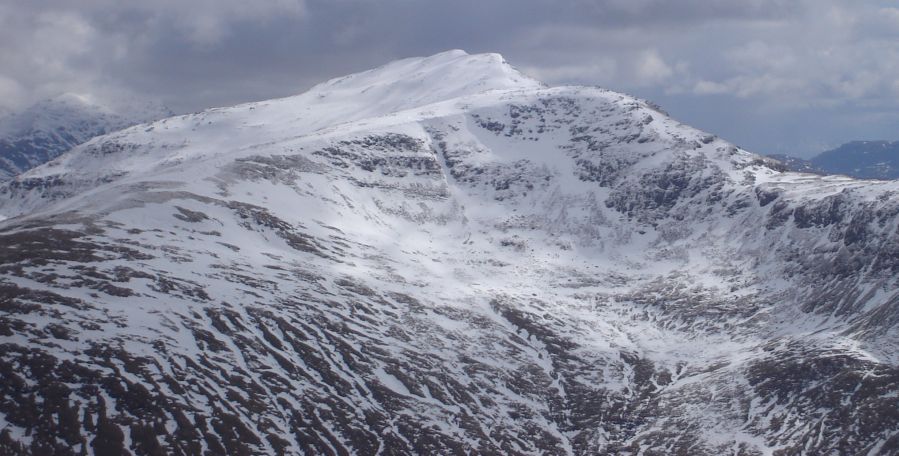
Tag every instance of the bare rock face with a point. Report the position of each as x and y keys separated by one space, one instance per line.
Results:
x=495 y=267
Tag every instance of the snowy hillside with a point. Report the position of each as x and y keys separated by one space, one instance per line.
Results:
x=53 y=126
x=443 y=256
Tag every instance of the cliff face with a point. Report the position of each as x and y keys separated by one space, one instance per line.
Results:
x=443 y=256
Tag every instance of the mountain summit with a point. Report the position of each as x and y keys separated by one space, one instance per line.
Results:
x=415 y=82
x=442 y=256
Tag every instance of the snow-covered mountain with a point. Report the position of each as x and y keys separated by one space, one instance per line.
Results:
x=51 y=127
x=442 y=256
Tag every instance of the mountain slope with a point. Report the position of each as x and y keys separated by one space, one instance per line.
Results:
x=53 y=126
x=443 y=256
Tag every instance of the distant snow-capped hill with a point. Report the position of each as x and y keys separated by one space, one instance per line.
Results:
x=51 y=127
x=858 y=159
x=797 y=164
x=442 y=256
x=862 y=159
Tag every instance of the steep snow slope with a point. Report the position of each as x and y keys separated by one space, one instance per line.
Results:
x=53 y=126
x=443 y=256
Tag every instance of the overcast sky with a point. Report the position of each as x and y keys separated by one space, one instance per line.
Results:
x=773 y=76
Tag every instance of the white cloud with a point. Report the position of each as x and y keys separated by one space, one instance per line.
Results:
x=651 y=69
x=62 y=36
x=208 y=21
x=594 y=71
x=53 y=46
x=882 y=22
x=711 y=88
x=756 y=55
x=11 y=92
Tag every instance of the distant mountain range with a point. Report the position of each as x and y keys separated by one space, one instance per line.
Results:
x=51 y=127
x=797 y=164
x=861 y=159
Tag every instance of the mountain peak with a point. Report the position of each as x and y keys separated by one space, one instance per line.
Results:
x=70 y=99
x=417 y=81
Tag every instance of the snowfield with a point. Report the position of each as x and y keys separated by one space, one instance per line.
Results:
x=443 y=256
